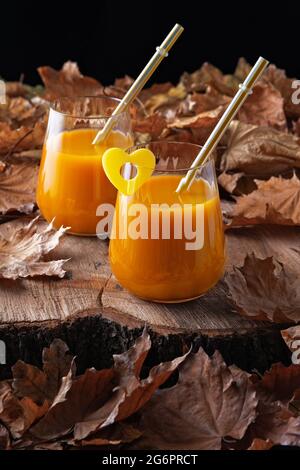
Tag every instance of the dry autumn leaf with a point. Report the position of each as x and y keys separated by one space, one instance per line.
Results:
x=68 y=82
x=280 y=382
x=259 y=151
x=261 y=444
x=264 y=107
x=101 y=398
x=212 y=76
x=211 y=402
x=43 y=385
x=22 y=249
x=291 y=337
x=200 y=125
x=17 y=187
x=263 y=290
x=276 y=201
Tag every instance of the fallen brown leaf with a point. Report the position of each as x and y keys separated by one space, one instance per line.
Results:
x=236 y=183
x=196 y=103
x=263 y=290
x=43 y=385
x=150 y=127
x=280 y=382
x=22 y=249
x=200 y=125
x=68 y=82
x=259 y=151
x=209 y=75
x=17 y=187
x=208 y=403
x=264 y=107
x=132 y=392
x=277 y=424
x=4 y=438
x=116 y=434
x=18 y=415
x=261 y=444
x=276 y=201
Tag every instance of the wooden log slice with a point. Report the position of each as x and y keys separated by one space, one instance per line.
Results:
x=98 y=318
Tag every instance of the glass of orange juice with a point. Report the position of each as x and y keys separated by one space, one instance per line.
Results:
x=165 y=246
x=72 y=183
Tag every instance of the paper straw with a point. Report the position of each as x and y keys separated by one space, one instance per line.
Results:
x=244 y=90
x=160 y=54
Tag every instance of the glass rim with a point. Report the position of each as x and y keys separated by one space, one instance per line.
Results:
x=55 y=102
x=176 y=142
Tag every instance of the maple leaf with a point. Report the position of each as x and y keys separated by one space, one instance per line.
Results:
x=41 y=385
x=276 y=201
x=208 y=403
x=68 y=82
x=264 y=107
x=259 y=151
x=21 y=251
x=98 y=399
x=263 y=290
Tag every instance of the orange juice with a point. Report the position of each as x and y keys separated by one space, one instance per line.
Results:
x=72 y=183
x=161 y=269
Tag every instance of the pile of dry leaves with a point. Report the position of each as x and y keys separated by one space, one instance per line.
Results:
x=217 y=407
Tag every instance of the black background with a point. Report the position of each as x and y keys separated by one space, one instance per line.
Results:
x=111 y=38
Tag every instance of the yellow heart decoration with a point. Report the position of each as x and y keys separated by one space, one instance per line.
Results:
x=113 y=160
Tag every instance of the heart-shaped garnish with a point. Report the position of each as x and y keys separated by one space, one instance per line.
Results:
x=114 y=159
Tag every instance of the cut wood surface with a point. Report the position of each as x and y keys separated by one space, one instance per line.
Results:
x=89 y=302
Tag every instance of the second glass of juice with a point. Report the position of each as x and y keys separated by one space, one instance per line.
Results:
x=72 y=183
x=165 y=246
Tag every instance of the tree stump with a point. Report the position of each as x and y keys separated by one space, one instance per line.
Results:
x=97 y=318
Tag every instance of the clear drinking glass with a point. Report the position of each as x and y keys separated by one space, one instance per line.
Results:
x=169 y=247
x=72 y=183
